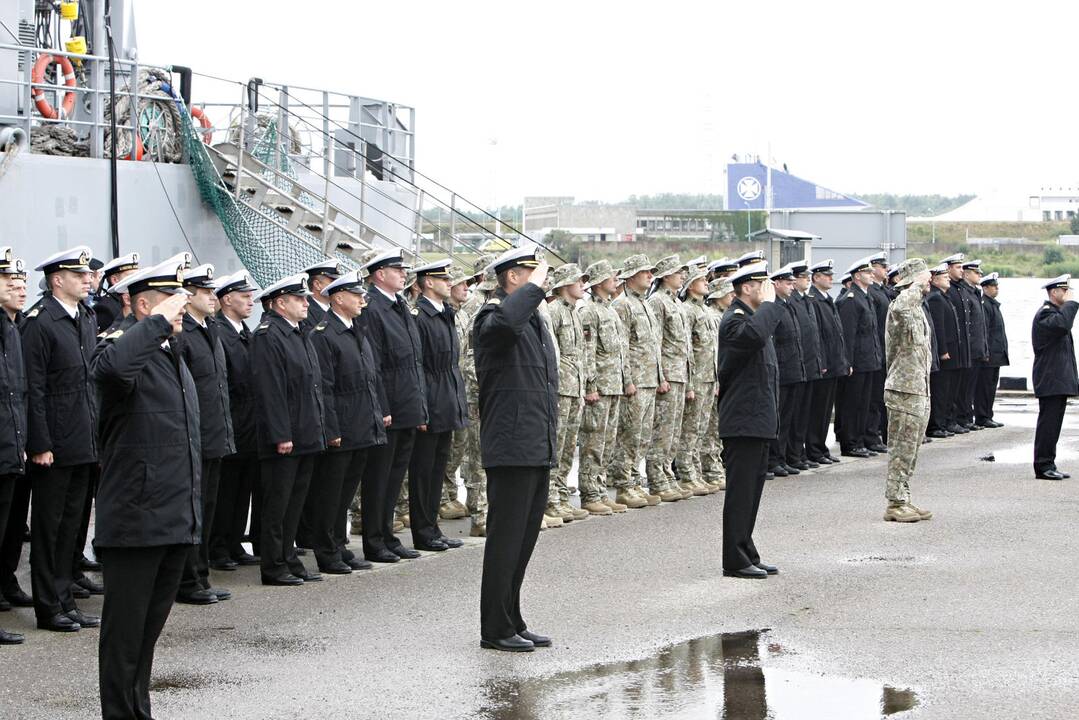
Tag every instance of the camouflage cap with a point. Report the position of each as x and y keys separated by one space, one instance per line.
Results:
x=490 y=280
x=458 y=276
x=696 y=272
x=481 y=264
x=567 y=275
x=719 y=288
x=668 y=266
x=908 y=270
x=366 y=257
x=635 y=264
x=598 y=272
x=410 y=279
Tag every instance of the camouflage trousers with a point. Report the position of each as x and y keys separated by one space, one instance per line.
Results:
x=908 y=416
x=666 y=425
x=599 y=428
x=634 y=433
x=457 y=459
x=712 y=469
x=569 y=422
x=473 y=475
x=687 y=455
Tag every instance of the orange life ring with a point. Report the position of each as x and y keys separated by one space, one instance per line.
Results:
x=200 y=115
x=37 y=75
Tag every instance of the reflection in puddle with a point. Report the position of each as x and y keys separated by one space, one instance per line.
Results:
x=1024 y=454
x=719 y=676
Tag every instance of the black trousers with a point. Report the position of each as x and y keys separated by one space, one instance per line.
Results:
x=876 y=421
x=430 y=456
x=746 y=462
x=970 y=390
x=790 y=399
x=821 y=396
x=854 y=410
x=338 y=476
x=960 y=383
x=386 y=467
x=197 y=568
x=140 y=586
x=7 y=496
x=940 y=394
x=516 y=497
x=285 y=480
x=985 y=393
x=84 y=524
x=12 y=539
x=238 y=485
x=1050 y=419
x=951 y=380
x=59 y=499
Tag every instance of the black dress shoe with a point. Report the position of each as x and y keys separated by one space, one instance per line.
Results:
x=86 y=563
x=245 y=559
x=301 y=551
x=810 y=464
x=791 y=470
x=821 y=461
x=432 y=546
x=856 y=452
x=877 y=448
x=196 y=597
x=957 y=430
x=993 y=424
x=221 y=593
x=514 y=643
x=357 y=564
x=770 y=569
x=833 y=458
x=309 y=576
x=976 y=426
x=18 y=597
x=1050 y=475
x=79 y=592
x=406 y=553
x=451 y=542
x=83 y=619
x=90 y=586
x=288 y=580
x=337 y=568
x=226 y=565
x=537 y=640
x=779 y=471
x=941 y=434
x=10 y=638
x=383 y=556
x=58 y=623
x=1066 y=475
x=749 y=572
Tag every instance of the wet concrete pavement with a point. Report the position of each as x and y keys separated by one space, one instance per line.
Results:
x=971 y=614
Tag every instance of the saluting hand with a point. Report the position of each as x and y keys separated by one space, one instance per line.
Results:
x=539 y=275
x=1069 y=295
x=768 y=291
x=172 y=309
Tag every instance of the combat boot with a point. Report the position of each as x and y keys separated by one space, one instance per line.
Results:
x=719 y=484
x=699 y=488
x=614 y=506
x=686 y=489
x=552 y=521
x=671 y=495
x=597 y=507
x=555 y=510
x=630 y=500
x=479 y=527
x=577 y=513
x=649 y=498
x=922 y=514
x=901 y=513
x=452 y=510
x=357 y=525
x=404 y=519
x=398 y=526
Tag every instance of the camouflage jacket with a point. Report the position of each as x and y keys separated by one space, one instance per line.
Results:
x=605 y=348
x=566 y=329
x=675 y=349
x=703 y=331
x=643 y=335
x=468 y=363
x=906 y=342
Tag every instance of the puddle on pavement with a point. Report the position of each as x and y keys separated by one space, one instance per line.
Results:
x=719 y=676
x=1024 y=454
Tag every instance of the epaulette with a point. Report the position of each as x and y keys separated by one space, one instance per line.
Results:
x=494 y=301
x=739 y=311
x=850 y=295
x=321 y=326
x=263 y=326
x=33 y=313
x=114 y=334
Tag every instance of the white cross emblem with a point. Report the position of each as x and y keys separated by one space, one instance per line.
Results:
x=749 y=188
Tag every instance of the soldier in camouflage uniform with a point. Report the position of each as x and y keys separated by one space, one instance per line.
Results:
x=721 y=293
x=566 y=288
x=671 y=394
x=703 y=332
x=906 y=388
x=451 y=508
x=643 y=375
x=472 y=473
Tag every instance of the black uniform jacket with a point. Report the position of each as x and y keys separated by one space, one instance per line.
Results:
x=12 y=399
x=62 y=412
x=395 y=340
x=996 y=336
x=315 y=315
x=945 y=327
x=809 y=326
x=963 y=305
x=446 y=406
x=107 y=310
x=979 y=340
x=1054 y=351
x=934 y=349
x=205 y=358
x=351 y=389
x=518 y=380
x=748 y=373
x=288 y=389
x=788 y=343
x=833 y=346
x=151 y=457
x=237 y=347
x=880 y=297
x=859 y=318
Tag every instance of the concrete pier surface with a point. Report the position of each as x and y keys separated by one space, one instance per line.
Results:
x=973 y=614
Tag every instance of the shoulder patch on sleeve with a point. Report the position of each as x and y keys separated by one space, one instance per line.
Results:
x=494 y=301
x=114 y=334
x=739 y=311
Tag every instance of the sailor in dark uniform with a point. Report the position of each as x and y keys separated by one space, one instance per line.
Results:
x=997 y=341
x=862 y=341
x=979 y=341
x=960 y=374
x=238 y=493
x=395 y=340
x=148 y=507
x=946 y=331
x=834 y=363
x=289 y=418
x=1055 y=378
x=12 y=407
x=319 y=276
x=748 y=412
x=517 y=371
x=205 y=358
x=792 y=380
x=447 y=410
x=106 y=305
x=58 y=338
x=355 y=422
x=881 y=294
x=813 y=362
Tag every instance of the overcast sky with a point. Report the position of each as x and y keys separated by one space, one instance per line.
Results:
x=601 y=100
